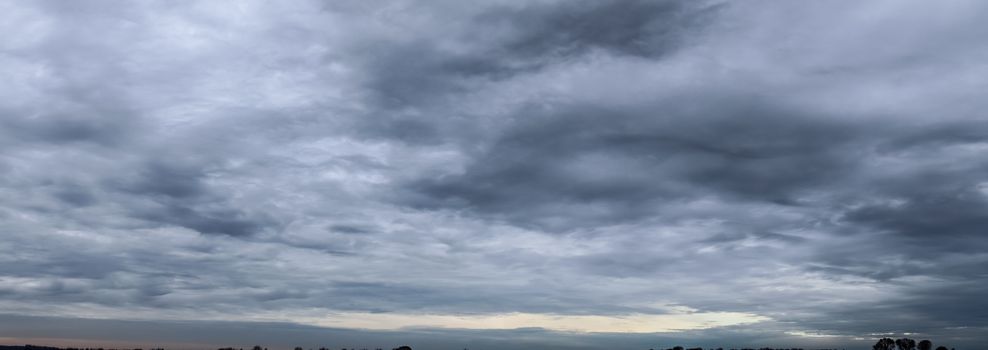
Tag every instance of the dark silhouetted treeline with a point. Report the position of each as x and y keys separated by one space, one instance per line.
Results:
x=905 y=344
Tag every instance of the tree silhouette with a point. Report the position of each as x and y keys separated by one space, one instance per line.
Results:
x=906 y=344
x=925 y=345
x=884 y=344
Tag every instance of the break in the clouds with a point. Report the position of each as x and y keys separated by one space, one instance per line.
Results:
x=612 y=172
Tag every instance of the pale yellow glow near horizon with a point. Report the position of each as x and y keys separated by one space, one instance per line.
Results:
x=632 y=323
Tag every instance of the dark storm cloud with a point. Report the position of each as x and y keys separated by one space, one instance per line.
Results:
x=817 y=167
x=352 y=229
x=936 y=212
x=633 y=161
x=637 y=28
x=517 y=39
x=75 y=194
x=179 y=196
x=939 y=135
x=503 y=42
x=65 y=129
x=82 y=114
x=171 y=181
x=218 y=221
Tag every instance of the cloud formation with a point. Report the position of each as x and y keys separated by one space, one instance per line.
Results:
x=809 y=173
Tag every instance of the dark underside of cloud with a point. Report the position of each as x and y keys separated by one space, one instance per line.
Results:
x=632 y=163
x=814 y=170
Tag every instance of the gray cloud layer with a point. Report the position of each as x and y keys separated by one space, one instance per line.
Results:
x=818 y=164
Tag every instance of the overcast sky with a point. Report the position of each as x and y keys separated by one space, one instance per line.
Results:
x=493 y=174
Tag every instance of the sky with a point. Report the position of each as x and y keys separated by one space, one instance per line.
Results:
x=493 y=174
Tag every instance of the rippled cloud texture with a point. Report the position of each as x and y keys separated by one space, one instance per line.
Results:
x=563 y=173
